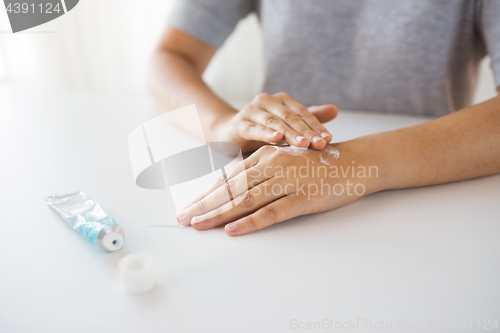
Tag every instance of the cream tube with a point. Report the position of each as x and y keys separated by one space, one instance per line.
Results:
x=88 y=218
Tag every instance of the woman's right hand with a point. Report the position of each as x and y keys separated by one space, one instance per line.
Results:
x=276 y=118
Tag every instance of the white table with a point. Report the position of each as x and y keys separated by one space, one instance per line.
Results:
x=419 y=255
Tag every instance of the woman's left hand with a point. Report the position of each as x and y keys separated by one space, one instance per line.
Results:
x=278 y=183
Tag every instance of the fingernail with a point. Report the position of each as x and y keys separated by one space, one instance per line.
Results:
x=316 y=138
x=194 y=220
x=324 y=134
x=276 y=133
x=231 y=227
x=299 y=138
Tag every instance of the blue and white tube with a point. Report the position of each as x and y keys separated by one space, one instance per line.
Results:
x=88 y=218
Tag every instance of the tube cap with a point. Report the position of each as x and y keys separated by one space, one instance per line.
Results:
x=136 y=272
x=110 y=238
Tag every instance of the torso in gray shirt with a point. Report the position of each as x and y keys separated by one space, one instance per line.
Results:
x=411 y=56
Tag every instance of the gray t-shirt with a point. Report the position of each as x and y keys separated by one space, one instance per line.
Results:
x=400 y=56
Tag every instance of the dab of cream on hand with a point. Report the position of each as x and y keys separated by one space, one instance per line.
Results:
x=296 y=151
x=332 y=151
x=329 y=152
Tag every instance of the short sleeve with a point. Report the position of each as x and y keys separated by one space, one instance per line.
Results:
x=490 y=26
x=211 y=21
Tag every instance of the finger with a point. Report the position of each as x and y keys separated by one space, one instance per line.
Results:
x=292 y=137
x=324 y=113
x=293 y=118
x=321 y=135
x=253 y=131
x=250 y=162
x=224 y=194
x=247 y=163
x=277 y=211
x=246 y=203
x=236 y=181
x=294 y=121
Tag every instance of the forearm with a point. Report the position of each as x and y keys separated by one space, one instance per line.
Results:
x=175 y=82
x=462 y=145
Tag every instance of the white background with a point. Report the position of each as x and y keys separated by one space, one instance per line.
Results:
x=104 y=45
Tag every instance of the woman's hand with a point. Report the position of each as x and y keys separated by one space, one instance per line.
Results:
x=276 y=118
x=278 y=183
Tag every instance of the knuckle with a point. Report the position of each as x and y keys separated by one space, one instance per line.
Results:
x=251 y=222
x=253 y=128
x=231 y=185
x=201 y=205
x=263 y=97
x=270 y=212
x=200 y=197
x=303 y=112
x=249 y=200
x=267 y=149
x=272 y=120
x=250 y=108
x=218 y=214
x=290 y=116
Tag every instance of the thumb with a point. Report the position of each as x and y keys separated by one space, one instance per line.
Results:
x=324 y=113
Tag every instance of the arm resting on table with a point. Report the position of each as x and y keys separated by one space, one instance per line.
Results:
x=461 y=145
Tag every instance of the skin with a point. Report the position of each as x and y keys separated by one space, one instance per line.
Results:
x=459 y=146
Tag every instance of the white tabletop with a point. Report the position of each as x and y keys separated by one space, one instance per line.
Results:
x=393 y=258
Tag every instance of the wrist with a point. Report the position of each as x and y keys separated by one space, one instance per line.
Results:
x=219 y=126
x=369 y=163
